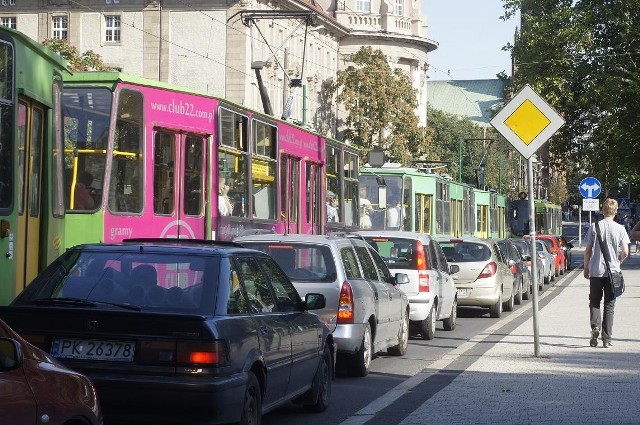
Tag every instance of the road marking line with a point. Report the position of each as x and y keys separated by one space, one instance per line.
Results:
x=370 y=410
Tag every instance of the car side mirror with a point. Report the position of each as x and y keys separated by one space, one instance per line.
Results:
x=314 y=301
x=402 y=278
x=454 y=268
x=10 y=354
x=526 y=257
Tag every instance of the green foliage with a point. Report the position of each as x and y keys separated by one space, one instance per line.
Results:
x=582 y=57
x=381 y=105
x=87 y=61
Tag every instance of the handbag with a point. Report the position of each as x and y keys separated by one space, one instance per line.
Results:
x=616 y=279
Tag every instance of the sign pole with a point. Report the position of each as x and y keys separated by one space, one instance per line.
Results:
x=534 y=256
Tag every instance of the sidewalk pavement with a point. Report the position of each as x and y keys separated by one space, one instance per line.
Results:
x=570 y=382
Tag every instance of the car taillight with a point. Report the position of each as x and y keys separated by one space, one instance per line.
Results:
x=202 y=353
x=183 y=353
x=423 y=282
x=421 y=258
x=514 y=269
x=489 y=270
x=345 y=305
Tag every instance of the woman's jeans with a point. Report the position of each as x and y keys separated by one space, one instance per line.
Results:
x=598 y=286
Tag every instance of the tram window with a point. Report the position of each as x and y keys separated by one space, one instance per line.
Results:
x=263 y=172
x=86 y=130
x=334 y=194
x=193 y=169
x=6 y=72
x=164 y=169
x=233 y=130
x=264 y=139
x=125 y=188
x=6 y=157
x=351 y=194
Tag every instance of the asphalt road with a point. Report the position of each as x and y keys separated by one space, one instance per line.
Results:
x=353 y=398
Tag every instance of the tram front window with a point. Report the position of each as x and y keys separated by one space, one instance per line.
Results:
x=86 y=114
x=383 y=215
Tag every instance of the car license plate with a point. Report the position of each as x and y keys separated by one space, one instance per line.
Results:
x=462 y=292
x=92 y=349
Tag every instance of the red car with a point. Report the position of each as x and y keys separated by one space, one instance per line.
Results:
x=37 y=389
x=556 y=250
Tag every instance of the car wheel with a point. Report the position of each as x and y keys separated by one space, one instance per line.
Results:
x=360 y=361
x=495 y=310
x=518 y=298
x=508 y=305
x=322 y=382
x=403 y=338
x=450 y=322
x=428 y=325
x=252 y=409
x=547 y=279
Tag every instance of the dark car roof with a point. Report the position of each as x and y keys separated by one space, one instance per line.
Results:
x=168 y=245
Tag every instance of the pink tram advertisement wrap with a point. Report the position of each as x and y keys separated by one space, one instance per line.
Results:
x=148 y=160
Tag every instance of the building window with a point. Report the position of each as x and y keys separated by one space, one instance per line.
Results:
x=363 y=6
x=112 y=28
x=60 y=27
x=399 y=8
x=9 y=22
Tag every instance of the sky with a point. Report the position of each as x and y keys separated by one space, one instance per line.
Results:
x=470 y=37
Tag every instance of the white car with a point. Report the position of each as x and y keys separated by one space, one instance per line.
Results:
x=431 y=291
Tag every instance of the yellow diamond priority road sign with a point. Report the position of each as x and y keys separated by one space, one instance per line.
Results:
x=527 y=122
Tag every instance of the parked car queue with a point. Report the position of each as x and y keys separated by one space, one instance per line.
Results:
x=259 y=322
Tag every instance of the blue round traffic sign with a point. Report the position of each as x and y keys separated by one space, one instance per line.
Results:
x=590 y=187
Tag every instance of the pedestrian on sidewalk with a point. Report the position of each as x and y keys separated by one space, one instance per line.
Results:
x=616 y=242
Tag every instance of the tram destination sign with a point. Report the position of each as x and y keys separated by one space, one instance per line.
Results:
x=527 y=122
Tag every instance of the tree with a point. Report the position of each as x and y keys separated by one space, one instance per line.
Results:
x=381 y=105
x=451 y=133
x=582 y=57
x=87 y=61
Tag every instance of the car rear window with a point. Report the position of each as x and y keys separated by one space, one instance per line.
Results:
x=465 y=252
x=301 y=262
x=398 y=253
x=166 y=282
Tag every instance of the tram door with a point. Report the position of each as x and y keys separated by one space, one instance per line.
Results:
x=31 y=117
x=290 y=193
x=179 y=187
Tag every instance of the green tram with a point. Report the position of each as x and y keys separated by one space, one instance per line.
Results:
x=548 y=217
x=428 y=203
x=31 y=160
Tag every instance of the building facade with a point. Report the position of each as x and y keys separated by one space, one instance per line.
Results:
x=216 y=46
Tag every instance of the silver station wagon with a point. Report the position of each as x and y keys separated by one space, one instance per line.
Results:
x=365 y=308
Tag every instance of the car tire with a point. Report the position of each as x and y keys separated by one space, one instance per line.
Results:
x=495 y=310
x=322 y=384
x=428 y=325
x=403 y=338
x=508 y=305
x=547 y=279
x=360 y=362
x=449 y=323
x=518 y=297
x=252 y=408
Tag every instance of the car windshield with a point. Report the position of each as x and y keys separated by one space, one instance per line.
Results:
x=302 y=262
x=133 y=280
x=398 y=253
x=465 y=252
